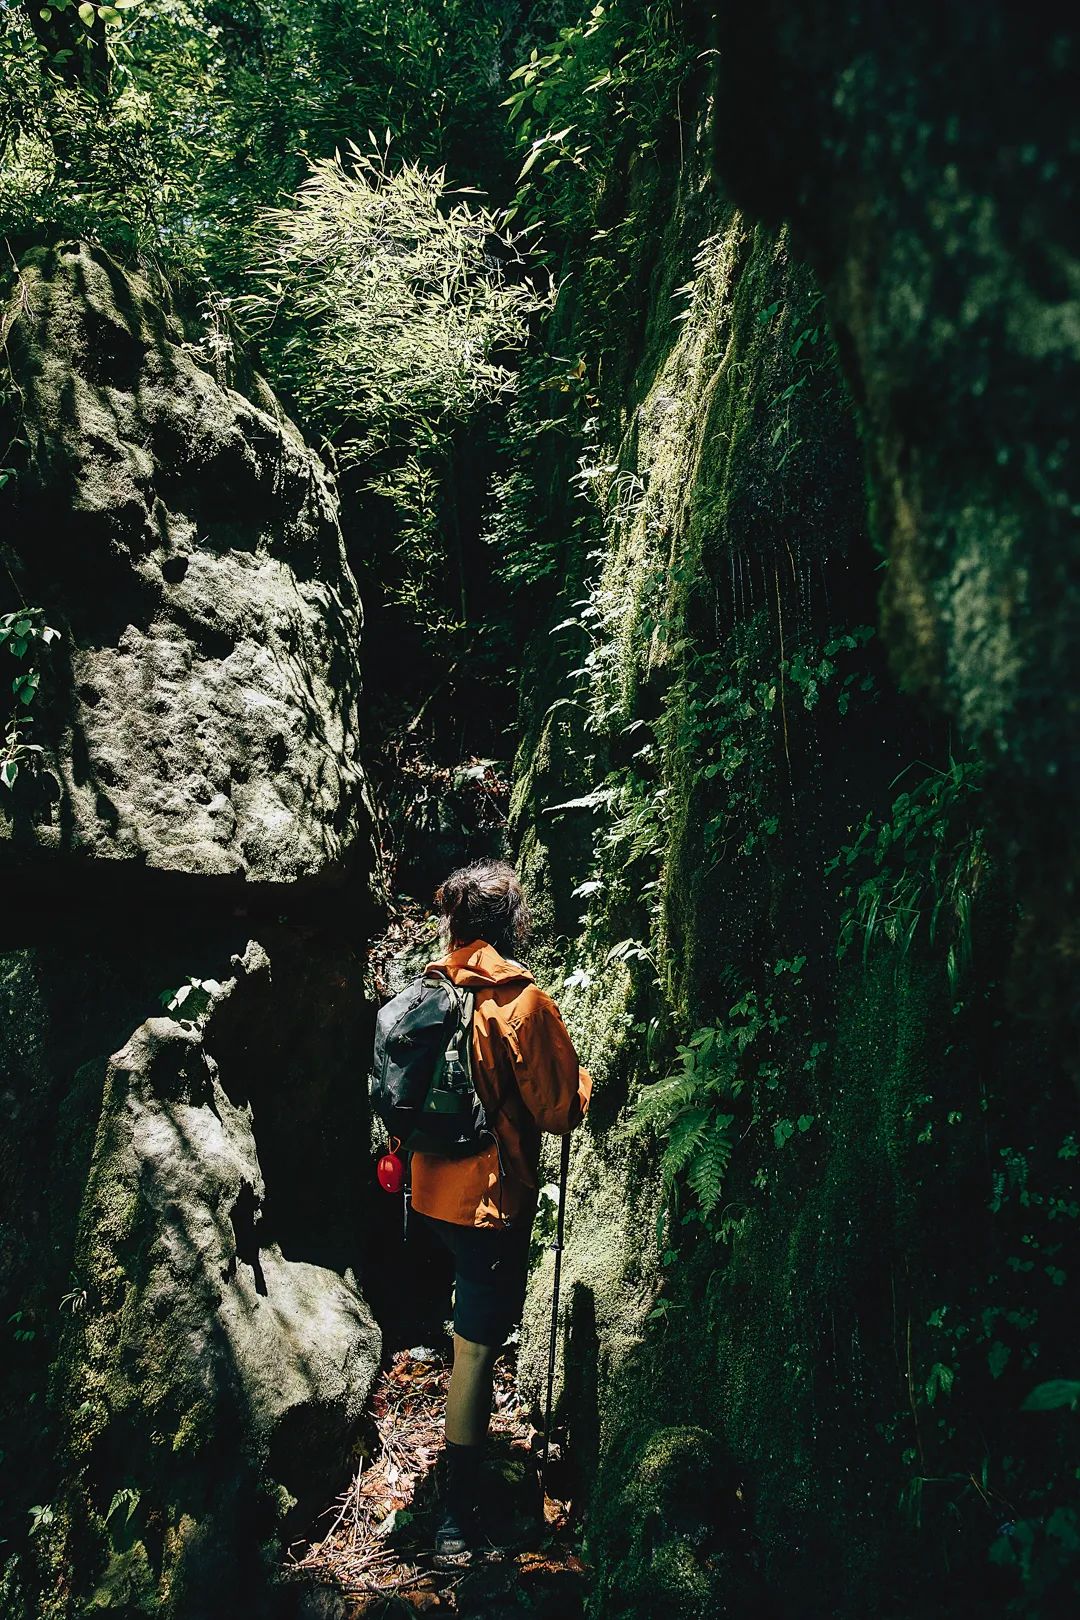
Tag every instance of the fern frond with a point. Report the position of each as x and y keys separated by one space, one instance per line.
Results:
x=684 y=1140
x=710 y=1162
x=658 y=1104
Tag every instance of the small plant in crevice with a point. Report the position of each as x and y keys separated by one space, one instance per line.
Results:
x=42 y=1516
x=120 y=1513
x=545 y=1225
x=24 y=633
x=75 y=1300
x=21 y=1334
x=927 y=863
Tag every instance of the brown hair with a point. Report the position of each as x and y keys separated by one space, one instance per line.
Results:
x=485 y=901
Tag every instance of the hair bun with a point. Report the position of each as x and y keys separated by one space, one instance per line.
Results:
x=450 y=895
x=484 y=901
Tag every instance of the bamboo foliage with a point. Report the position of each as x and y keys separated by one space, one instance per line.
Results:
x=395 y=304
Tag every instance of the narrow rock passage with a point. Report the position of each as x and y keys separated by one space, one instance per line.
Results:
x=370 y=1552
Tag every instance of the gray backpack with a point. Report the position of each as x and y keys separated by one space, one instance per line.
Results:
x=421 y=1082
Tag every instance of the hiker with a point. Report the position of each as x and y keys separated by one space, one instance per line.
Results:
x=528 y=1078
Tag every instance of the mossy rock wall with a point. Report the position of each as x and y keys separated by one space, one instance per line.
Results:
x=760 y=866
x=927 y=166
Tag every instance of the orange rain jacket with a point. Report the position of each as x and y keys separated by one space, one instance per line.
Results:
x=527 y=1076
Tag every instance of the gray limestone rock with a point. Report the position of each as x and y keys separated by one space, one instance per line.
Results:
x=208 y=1389
x=178 y=1220
x=199 y=712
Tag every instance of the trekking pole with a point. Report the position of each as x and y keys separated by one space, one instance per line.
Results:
x=557 y=1246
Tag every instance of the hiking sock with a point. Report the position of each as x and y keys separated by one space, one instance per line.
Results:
x=455 y=1530
x=462 y=1478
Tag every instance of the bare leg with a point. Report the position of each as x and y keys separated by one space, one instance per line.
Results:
x=468 y=1400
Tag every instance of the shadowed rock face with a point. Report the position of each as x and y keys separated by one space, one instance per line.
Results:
x=928 y=162
x=200 y=711
x=213 y=1379
x=178 y=1224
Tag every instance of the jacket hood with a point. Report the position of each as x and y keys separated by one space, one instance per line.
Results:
x=478 y=965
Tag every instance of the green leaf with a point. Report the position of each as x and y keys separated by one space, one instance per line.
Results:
x=126 y=1499
x=685 y=1137
x=709 y=1166
x=783 y=1131
x=940 y=1380
x=40 y=1517
x=25 y=686
x=87 y=14
x=1048 y=1397
x=9 y=770
x=997 y=1358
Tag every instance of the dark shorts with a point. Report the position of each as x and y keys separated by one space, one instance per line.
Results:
x=491 y=1267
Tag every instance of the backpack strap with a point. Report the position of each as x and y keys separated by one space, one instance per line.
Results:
x=466 y=1000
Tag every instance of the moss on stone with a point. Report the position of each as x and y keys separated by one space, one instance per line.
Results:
x=652 y=1543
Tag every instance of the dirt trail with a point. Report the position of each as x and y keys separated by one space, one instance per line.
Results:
x=371 y=1553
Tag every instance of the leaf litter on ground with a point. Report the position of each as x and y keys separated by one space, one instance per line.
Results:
x=374 y=1543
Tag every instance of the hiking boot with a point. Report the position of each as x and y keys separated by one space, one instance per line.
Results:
x=455 y=1543
x=474 y=1526
x=476 y=1541
x=455 y=1534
